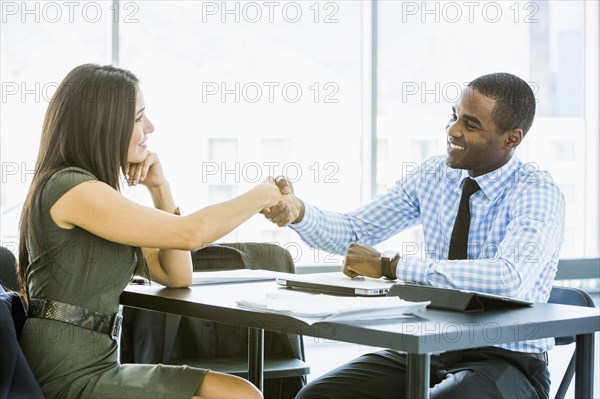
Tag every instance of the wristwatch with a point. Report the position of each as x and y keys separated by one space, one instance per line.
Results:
x=388 y=259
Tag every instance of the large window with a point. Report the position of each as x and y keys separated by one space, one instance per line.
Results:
x=426 y=60
x=241 y=90
x=39 y=43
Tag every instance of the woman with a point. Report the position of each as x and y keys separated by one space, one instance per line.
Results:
x=81 y=241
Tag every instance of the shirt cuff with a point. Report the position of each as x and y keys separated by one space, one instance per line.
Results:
x=412 y=270
x=308 y=224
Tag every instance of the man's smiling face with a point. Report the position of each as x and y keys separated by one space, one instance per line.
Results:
x=473 y=140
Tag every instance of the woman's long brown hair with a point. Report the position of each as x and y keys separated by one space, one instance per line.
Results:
x=88 y=124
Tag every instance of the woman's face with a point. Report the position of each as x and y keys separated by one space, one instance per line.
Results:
x=142 y=126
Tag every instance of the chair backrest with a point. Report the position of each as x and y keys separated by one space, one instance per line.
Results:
x=569 y=296
x=243 y=255
x=16 y=378
x=154 y=337
x=8 y=270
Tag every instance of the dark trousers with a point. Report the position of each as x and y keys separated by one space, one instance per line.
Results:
x=476 y=373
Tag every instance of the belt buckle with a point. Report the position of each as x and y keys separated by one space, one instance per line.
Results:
x=115 y=328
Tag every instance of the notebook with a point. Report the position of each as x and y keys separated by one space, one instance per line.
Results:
x=232 y=276
x=337 y=283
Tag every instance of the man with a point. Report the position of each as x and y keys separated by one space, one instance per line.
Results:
x=491 y=224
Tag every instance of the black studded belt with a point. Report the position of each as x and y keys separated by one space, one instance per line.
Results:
x=53 y=310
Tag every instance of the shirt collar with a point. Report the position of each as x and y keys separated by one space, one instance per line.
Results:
x=492 y=184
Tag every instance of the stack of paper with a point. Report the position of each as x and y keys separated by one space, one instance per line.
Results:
x=333 y=307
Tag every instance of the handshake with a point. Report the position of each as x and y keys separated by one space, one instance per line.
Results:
x=289 y=210
x=361 y=259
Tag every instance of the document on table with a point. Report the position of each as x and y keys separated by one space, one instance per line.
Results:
x=232 y=276
x=330 y=308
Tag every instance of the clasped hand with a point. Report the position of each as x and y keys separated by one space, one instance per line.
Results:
x=289 y=210
x=361 y=259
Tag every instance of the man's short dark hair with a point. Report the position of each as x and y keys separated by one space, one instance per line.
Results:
x=515 y=102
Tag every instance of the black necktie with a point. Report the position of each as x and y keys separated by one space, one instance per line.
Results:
x=460 y=233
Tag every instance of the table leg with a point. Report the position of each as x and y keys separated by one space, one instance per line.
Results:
x=584 y=366
x=256 y=356
x=417 y=384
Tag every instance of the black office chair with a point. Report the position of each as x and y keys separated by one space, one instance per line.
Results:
x=16 y=378
x=8 y=270
x=154 y=337
x=576 y=297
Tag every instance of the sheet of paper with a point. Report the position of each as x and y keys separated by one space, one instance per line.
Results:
x=232 y=276
x=330 y=308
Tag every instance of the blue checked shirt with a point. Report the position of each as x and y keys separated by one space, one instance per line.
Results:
x=515 y=235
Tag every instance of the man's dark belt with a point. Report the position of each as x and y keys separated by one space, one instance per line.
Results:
x=543 y=356
x=53 y=310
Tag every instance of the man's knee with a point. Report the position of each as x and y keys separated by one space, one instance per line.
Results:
x=460 y=384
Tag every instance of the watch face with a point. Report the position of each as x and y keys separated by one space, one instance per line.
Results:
x=390 y=255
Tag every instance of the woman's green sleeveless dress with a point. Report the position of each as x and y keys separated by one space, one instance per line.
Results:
x=87 y=271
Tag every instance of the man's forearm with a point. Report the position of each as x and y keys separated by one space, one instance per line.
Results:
x=324 y=230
